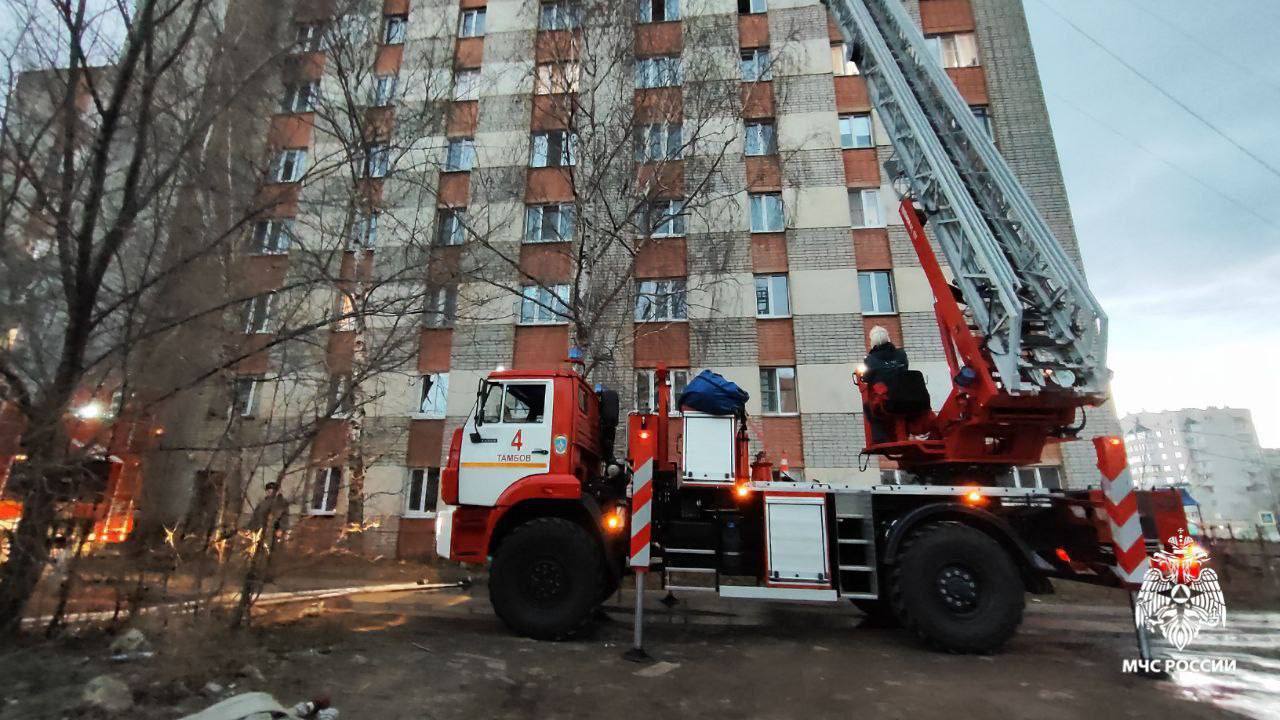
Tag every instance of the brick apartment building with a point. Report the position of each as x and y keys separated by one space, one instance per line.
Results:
x=809 y=253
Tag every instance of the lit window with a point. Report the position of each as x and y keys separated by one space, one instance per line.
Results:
x=324 y=491
x=377 y=160
x=840 y=62
x=658 y=10
x=875 y=288
x=272 y=237
x=953 y=50
x=556 y=78
x=441 y=307
x=772 y=298
x=290 y=166
x=461 y=155
x=755 y=65
x=394 y=29
x=384 y=90
x=548 y=223
x=778 y=391
x=864 y=209
x=855 y=131
x=562 y=15
x=551 y=149
x=364 y=231
x=661 y=141
x=257 y=316
x=660 y=300
x=450 y=226
x=646 y=390
x=751 y=7
x=433 y=393
x=471 y=23
x=656 y=72
x=299 y=98
x=466 y=85
x=761 y=139
x=245 y=403
x=666 y=218
x=766 y=212
x=423 y=490
x=544 y=305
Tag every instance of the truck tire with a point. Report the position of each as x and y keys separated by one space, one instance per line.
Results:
x=957 y=589
x=546 y=578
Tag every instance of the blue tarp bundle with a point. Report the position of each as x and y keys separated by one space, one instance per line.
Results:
x=713 y=394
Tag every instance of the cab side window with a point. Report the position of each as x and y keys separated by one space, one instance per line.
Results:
x=492 y=410
x=524 y=403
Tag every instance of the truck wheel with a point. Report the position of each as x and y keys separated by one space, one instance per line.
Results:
x=957 y=589
x=546 y=579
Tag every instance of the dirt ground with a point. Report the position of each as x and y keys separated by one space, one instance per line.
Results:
x=442 y=655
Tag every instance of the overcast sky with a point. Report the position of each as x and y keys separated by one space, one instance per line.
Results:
x=1180 y=230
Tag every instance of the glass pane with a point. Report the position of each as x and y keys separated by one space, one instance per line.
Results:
x=856 y=217
x=884 y=292
x=779 y=296
x=866 y=292
x=644 y=390
x=787 y=390
x=762 y=296
x=492 y=411
x=524 y=403
x=415 y=490
x=432 y=490
x=768 y=394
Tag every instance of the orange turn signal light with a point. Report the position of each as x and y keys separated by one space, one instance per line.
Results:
x=975 y=497
x=613 y=521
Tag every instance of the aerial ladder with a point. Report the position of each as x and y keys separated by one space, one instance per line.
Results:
x=532 y=486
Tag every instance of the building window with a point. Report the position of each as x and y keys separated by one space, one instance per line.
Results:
x=552 y=149
x=755 y=65
x=441 y=307
x=772 y=298
x=953 y=50
x=840 y=62
x=377 y=160
x=433 y=394
x=660 y=300
x=651 y=11
x=778 y=391
x=761 y=139
x=272 y=237
x=394 y=29
x=424 y=488
x=656 y=72
x=875 y=288
x=245 y=403
x=752 y=7
x=544 y=305
x=461 y=155
x=983 y=116
x=562 y=15
x=855 y=131
x=661 y=141
x=766 y=212
x=864 y=209
x=290 y=166
x=364 y=231
x=257 y=314
x=548 y=223
x=324 y=491
x=384 y=90
x=466 y=85
x=647 y=391
x=299 y=98
x=471 y=24
x=556 y=78
x=310 y=37
x=450 y=226
x=666 y=218
x=341 y=400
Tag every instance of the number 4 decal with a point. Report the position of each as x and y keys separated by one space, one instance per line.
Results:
x=516 y=442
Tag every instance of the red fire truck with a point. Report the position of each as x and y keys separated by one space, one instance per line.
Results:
x=533 y=488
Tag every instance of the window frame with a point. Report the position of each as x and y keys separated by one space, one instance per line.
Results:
x=757 y=68
x=840 y=62
x=245 y=405
x=982 y=113
x=300 y=97
x=267 y=234
x=775 y=390
x=460 y=154
x=541 y=146
x=262 y=326
x=534 y=302
x=376 y=162
x=456 y=220
x=295 y=159
x=674 y=223
x=559 y=77
x=395 y=29
x=752 y=7
x=671 y=295
x=439 y=385
x=332 y=479
x=760 y=198
x=771 y=291
x=477 y=22
x=659 y=71
x=876 y=310
x=946 y=49
x=424 y=492
x=769 y=139
x=384 y=89
x=651 y=406
x=440 y=306
x=862 y=223
x=666 y=139
x=561 y=234
x=566 y=16
x=310 y=37
x=849 y=119
x=645 y=11
x=470 y=89
x=364 y=231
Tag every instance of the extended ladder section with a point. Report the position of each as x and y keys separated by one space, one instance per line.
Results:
x=1043 y=329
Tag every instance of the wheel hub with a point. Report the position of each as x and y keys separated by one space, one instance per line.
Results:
x=958 y=588
x=547 y=580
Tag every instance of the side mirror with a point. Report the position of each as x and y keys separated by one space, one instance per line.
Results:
x=482 y=396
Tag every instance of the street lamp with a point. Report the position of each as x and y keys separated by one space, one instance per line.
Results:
x=91 y=410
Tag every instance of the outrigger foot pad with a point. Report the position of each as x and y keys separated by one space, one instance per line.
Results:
x=637 y=655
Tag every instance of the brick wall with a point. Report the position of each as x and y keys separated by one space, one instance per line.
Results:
x=828 y=338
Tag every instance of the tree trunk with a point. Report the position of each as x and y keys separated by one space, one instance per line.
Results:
x=28 y=554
